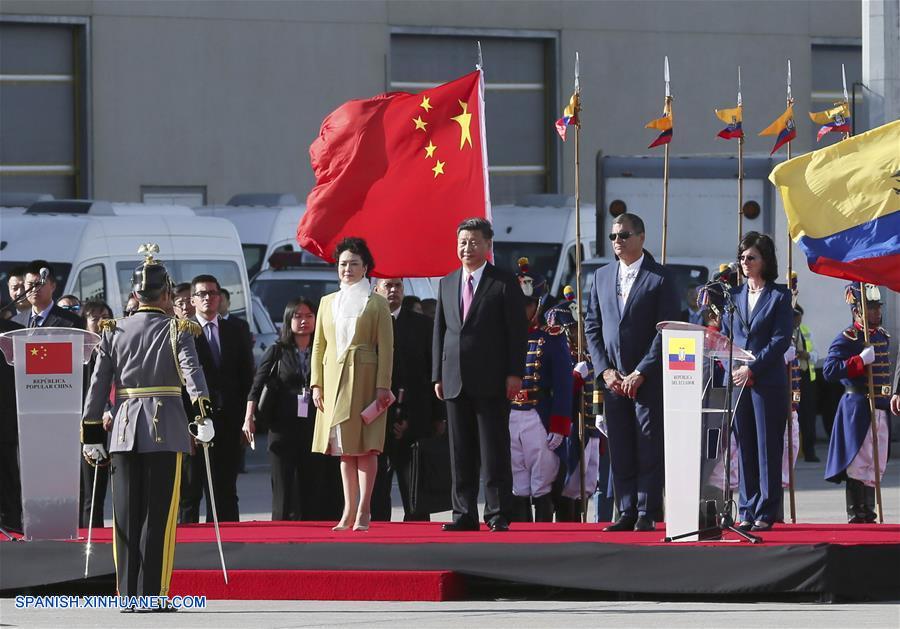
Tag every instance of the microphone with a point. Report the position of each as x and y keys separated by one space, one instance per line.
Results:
x=44 y=273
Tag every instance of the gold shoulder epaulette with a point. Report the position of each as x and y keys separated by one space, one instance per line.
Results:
x=851 y=333
x=186 y=325
x=107 y=325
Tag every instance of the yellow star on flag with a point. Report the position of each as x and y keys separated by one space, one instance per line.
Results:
x=34 y=351
x=426 y=104
x=420 y=124
x=438 y=168
x=429 y=150
x=465 y=120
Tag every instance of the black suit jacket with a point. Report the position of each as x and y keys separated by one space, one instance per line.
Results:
x=412 y=373
x=56 y=318
x=479 y=354
x=229 y=384
x=9 y=422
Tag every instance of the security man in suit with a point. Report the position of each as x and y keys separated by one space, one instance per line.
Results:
x=480 y=339
x=850 y=452
x=412 y=415
x=540 y=417
x=226 y=356
x=627 y=300
x=44 y=313
x=146 y=357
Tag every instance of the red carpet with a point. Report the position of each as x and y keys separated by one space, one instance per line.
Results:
x=537 y=533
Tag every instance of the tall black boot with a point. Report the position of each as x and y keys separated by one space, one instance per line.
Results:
x=565 y=509
x=855 y=495
x=868 y=505
x=543 y=508
x=521 y=509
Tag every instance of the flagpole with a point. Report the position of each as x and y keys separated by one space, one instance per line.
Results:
x=665 y=216
x=790 y=366
x=873 y=420
x=578 y=295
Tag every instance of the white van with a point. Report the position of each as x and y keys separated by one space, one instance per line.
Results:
x=93 y=253
x=265 y=223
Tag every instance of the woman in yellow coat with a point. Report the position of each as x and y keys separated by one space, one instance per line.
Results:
x=352 y=359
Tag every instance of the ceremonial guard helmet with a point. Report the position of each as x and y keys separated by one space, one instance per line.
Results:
x=852 y=295
x=150 y=276
x=534 y=286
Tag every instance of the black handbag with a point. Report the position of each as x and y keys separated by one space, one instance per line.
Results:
x=429 y=478
x=266 y=405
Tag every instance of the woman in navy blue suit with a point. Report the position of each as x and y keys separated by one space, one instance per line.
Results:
x=762 y=325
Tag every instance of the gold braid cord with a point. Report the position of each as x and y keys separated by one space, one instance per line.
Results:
x=174 y=329
x=107 y=325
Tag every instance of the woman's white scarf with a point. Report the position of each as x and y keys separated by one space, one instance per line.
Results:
x=346 y=308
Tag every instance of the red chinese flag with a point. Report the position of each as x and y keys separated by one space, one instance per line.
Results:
x=400 y=170
x=48 y=358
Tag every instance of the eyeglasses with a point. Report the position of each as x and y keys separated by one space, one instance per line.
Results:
x=620 y=236
x=203 y=294
x=747 y=258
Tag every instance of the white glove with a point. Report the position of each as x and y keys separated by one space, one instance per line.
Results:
x=204 y=432
x=554 y=440
x=600 y=424
x=582 y=370
x=94 y=452
x=794 y=416
x=790 y=355
x=868 y=355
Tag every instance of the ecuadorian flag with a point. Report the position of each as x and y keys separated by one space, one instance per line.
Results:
x=783 y=127
x=665 y=124
x=835 y=120
x=734 y=118
x=570 y=116
x=682 y=354
x=843 y=206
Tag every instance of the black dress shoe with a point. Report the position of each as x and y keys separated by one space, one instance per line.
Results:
x=624 y=523
x=745 y=525
x=761 y=525
x=460 y=525
x=644 y=524
x=498 y=524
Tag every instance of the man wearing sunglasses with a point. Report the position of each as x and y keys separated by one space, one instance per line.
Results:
x=627 y=300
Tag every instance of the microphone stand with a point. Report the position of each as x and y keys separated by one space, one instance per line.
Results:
x=25 y=295
x=724 y=518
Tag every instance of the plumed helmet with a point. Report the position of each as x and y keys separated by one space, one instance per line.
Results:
x=563 y=314
x=150 y=275
x=852 y=295
x=533 y=285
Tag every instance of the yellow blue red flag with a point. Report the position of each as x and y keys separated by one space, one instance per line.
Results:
x=664 y=124
x=834 y=120
x=569 y=117
x=843 y=206
x=783 y=127
x=734 y=119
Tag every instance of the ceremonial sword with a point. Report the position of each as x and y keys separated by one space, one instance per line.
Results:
x=212 y=504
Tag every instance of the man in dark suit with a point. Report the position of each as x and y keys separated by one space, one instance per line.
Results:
x=43 y=312
x=479 y=349
x=226 y=356
x=412 y=415
x=627 y=300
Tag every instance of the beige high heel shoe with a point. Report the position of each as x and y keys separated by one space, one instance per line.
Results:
x=344 y=524
x=362 y=522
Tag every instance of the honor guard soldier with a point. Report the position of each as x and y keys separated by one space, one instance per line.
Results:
x=540 y=415
x=790 y=357
x=587 y=397
x=146 y=359
x=850 y=453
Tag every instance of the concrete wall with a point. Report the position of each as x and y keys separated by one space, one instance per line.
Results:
x=230 y=94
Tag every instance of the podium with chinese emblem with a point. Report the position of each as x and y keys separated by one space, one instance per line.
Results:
x=696 y=412
x=49 y=369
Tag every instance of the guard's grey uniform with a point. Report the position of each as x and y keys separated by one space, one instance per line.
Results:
x=144 y=359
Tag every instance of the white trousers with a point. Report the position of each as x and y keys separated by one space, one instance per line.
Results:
x=534 y=465
x=572 y=488
x=862 y=466
x=795 y=440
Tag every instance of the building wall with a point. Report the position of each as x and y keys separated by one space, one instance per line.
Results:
x=230 y=94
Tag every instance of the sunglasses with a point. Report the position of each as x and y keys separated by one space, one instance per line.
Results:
x=620 y=236
x=203 y=294
x=747 y=258
x=74 y=308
